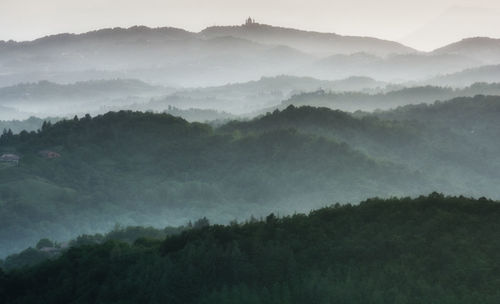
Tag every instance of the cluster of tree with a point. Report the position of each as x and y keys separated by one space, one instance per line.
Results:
x=47 y=249
x=431 y=249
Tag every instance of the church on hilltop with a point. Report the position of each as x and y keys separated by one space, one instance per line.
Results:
x=250 y=21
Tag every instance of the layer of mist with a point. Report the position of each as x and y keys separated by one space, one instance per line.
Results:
x=162 y=126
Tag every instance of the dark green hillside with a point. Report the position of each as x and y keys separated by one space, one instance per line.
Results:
x=472 y=120
x=454 y=144
x=458 y=113
x=156 y=169
x=46 y=249
x=432 y=249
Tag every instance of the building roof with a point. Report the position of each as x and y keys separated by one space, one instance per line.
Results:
x=8 y=156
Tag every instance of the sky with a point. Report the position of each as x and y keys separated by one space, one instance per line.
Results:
x=423 y=24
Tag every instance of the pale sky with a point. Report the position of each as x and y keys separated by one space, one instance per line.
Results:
x=423 y=24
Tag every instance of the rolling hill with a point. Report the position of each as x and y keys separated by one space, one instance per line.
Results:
x=431 y=248
x=307 y=41
x=223 y=54
x=484 y=49
x=253 y=96
x=155 y=169
x=487 y=73
x=392 y=97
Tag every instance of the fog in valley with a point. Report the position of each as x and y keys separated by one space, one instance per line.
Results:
x=169 y=127
x=361 y=101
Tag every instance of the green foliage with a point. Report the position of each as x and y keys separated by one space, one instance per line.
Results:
x=453 y=144
x=432 y=249
x=46 y=249
x=155 y=169
x=143 y=169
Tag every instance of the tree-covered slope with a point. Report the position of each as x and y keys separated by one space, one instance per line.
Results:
x=432 y=249
x=471 y=120
x=354 y=101
x=143 y=168
x=453 y=144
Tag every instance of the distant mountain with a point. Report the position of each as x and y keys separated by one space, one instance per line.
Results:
x=45 y=90
x=46 y=98
x=484 y=49
x=161 y=55
x=52 y=99
x=391 y=98
x=248 y=97
x=489 y=74
x=307 y=41
x=220 y=55
x=394 y=68
x=215 y=56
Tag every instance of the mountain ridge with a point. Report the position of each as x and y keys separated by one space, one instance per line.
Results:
x=210 y=31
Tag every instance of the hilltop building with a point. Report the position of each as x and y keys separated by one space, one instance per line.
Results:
x=10 y=158
x=250 y=21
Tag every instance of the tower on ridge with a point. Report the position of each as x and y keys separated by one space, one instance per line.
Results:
x=250 y=21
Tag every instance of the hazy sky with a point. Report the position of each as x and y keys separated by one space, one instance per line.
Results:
x=424 y=24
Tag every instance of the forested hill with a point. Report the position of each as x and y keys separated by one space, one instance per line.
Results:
x=86 y=174
x=354 y=101
x=474 y=120
x=432 y=249
x=454 y=143
x=459 y=112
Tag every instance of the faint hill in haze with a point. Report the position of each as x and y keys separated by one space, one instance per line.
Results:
x=161 y=55
x=489 y=73
x=354 y=101
x=308 y=41
x=47 y=98
x=394 y=68
x=248 y=97
x=227 y=54
x=479 y=48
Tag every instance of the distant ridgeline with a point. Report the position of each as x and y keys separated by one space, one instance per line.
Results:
x=394 y=97
x=86 y=174
x=432 y=249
